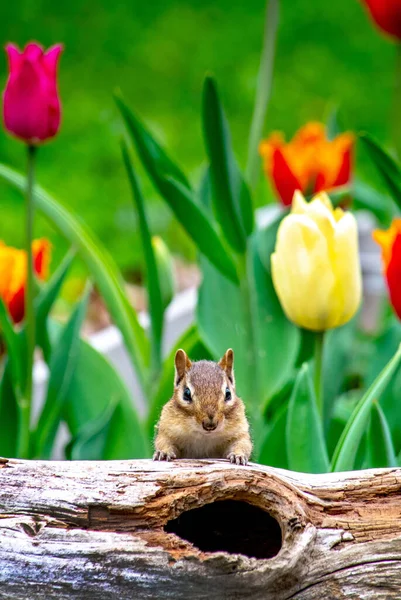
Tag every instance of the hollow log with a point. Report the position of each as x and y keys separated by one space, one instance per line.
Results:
x=196 y=529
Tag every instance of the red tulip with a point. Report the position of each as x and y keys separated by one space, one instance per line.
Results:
x=310 y=162
x=31 y=105
x=387 y=15
x=390 y=242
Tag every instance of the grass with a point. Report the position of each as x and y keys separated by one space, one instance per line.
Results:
x=158 y=53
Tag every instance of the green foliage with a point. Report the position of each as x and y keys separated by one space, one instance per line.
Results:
x=155 y=301
x=347 y=447
x=379 y=446
x=306 y=447
x=100 y=413
x=231 y=200
x=177 y=194
x=100 y=265
x=62 y=365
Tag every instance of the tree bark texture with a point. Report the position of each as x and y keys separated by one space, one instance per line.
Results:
x=196 y=530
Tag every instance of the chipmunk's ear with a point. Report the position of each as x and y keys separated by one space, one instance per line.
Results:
x=227 y=364
x=182 y=364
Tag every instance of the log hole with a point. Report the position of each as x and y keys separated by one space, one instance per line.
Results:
x=229 y=526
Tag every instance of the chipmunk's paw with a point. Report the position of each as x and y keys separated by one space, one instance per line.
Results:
x=160 y=455
x=237 y=459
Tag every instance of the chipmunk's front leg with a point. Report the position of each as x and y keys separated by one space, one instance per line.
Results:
x=239 y=451
x=164 y=449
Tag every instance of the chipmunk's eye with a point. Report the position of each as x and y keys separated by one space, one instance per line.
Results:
x=228 y=394
x=187 y=394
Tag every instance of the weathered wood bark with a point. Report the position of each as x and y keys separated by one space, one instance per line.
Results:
x=109 y=530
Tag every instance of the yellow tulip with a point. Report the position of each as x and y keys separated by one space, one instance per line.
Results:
x=315 y=267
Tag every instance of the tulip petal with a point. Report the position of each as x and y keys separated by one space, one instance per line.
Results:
x=32 y=52
x=302 y=272
x=393 y=276
x=14 y=57
x=346 y=265
x=285 y=182
x=51 y=58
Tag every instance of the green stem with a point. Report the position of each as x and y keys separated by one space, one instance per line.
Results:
x=263 y=91
x=397 y=102
x=26 y=401
x=319 y=339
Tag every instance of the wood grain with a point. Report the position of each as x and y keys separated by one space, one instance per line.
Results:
x=97 y=530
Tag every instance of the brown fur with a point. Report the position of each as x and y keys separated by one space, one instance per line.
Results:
x=182 y=428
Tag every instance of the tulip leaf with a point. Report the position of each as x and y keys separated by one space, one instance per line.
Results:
x=380 y=448
x=231 y=198
x=165 y=269
x=155 y=160
x=198 y=226
x=175 y=190
x=386 y=165
x=101 y=266
x=273 y=451
x=156 y=309
x=63 y=362
x=9 y=413
x=306 y=447
x=45 y=301
x=196 y=350
x=347 y=446
x=100 y=412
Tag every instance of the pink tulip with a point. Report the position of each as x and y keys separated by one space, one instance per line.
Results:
x=31 y=106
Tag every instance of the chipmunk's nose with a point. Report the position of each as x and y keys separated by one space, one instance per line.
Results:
x=209 y=424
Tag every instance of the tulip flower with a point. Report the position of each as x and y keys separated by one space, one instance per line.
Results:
x=310 y=162
x=31 y=105
x=315 y=266
x=31 y=112
x=13 y=274
x=390 y=242
x=387 y=15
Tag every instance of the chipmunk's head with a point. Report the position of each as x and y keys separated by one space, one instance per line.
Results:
x=205 y=391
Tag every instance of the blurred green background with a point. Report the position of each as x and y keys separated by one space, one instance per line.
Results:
x=158 y=53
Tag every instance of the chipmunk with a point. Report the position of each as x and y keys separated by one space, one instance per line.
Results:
x=204 y=418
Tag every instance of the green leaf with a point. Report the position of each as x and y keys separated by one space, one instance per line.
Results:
x=380 y=449
x=154 y=158
x=9 y=413
x=45 y=301
x=386 y=165
x=101 y=266
x=198 y=225
x=100 y=412
x=175 y=189
x=231 y=198
x=367 y=198
x=273 y=451
x=196 y=350
x=156 y=308
x=15 y=351
x=306 y=447
x=165 y=269
x=347 y=447
x=62 y=365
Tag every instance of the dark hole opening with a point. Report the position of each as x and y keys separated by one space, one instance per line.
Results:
x=229 y=526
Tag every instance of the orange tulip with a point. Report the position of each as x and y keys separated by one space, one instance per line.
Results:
x=13 y=274
x=390 y=242
x=310 y=162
